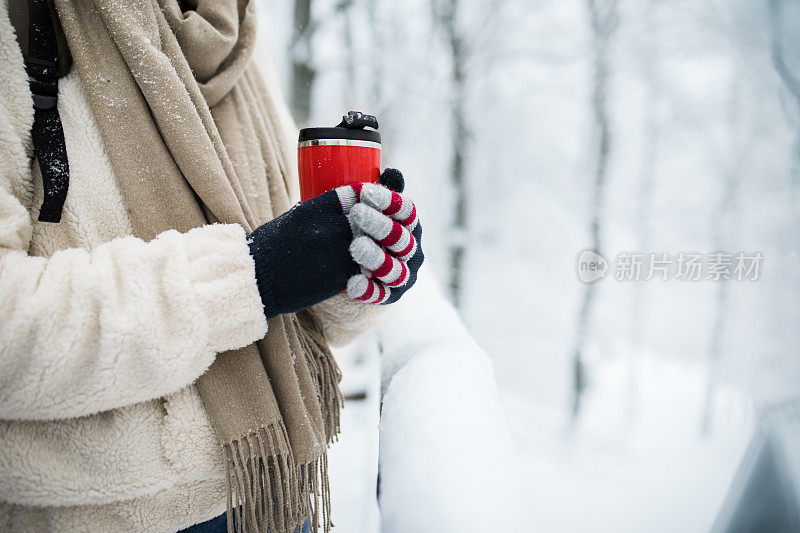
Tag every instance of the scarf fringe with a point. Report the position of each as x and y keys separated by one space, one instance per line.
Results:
x=267 y=491
x=314 y=481
x=326 y=375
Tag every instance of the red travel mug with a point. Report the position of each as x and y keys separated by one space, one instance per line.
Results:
x=331 y=157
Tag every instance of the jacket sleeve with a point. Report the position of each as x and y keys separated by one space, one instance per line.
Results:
x=84 y=331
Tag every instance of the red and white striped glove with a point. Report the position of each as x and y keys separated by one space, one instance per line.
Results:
x=387 y=241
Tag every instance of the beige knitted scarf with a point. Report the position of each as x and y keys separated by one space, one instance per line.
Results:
x=191 y=132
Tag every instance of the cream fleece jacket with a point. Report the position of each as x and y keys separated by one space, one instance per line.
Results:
x=102 y=336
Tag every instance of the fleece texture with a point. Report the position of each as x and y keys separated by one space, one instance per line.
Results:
x=102 y=336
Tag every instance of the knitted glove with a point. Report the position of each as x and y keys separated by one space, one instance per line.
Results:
x=389 y=247
x=304 y=256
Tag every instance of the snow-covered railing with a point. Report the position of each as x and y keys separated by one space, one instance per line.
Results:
x=446 y=456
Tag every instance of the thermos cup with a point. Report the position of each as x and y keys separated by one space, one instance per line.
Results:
x=331 y=157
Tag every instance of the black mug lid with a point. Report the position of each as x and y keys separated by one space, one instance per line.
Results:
x=351 y=128
x=312 y=134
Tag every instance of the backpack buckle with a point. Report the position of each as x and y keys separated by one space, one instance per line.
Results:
x=45 y=95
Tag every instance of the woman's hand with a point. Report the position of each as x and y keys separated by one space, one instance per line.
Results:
x=390 y=247
x=361 y=237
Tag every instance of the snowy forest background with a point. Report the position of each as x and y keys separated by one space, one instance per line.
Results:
x=529 y=131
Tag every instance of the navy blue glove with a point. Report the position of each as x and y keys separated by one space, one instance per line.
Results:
x=331 y=242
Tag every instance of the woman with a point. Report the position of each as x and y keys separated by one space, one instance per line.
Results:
x=165 y=315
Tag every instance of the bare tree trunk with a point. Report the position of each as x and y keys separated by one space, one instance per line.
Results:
x=603 y=18
x=351 y=85
x=715 y=355
x=724 y=222
x=303 y=72
x=732 y=180
x=789 y=78
x=382 y=101
x=792 y=82
x=376 y=53
x=446 y=16
x=644 y=205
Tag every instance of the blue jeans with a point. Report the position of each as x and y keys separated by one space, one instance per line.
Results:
x=220 y=525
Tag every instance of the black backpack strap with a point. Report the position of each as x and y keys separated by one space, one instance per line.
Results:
x=42 y=63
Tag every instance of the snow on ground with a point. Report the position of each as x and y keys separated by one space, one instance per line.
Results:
x=655 y=473
x=353 y=460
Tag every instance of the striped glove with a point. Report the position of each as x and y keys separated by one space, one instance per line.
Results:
x=361 y=237
x=387 y=240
